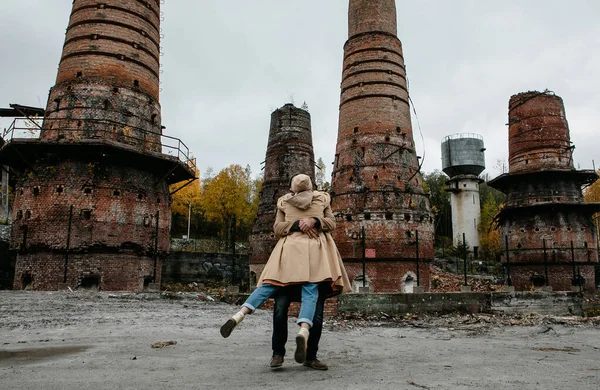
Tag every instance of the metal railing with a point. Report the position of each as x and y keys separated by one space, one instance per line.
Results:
x=462 y=135
x=99 y=129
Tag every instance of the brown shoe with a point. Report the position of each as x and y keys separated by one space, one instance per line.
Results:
x=316 y=365
x=276 y=361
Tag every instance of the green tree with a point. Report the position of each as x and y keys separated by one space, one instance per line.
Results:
x=321 y=176
x=435 y=184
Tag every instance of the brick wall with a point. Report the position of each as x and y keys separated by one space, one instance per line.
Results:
x=44 y=271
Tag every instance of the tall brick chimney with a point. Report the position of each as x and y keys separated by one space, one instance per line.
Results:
x=92 y=203
x=376 y=183
x=545 y=221
x=289 y=152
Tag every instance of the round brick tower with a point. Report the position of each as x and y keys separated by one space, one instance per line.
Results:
x=376 y=183
x=92 y=203
x=545 y=222
x=289 y=152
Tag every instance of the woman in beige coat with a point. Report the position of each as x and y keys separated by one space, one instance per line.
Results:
x=305 y=254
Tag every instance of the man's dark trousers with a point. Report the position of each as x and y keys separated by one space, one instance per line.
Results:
x=282 y=299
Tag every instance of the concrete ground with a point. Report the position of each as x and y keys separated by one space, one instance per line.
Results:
x=75 y=340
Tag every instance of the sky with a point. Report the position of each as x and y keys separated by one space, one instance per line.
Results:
x=226 y=65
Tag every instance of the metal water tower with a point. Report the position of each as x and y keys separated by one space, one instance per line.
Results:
x=463 y=160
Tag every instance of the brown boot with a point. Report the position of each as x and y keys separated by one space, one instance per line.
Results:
x=316 y=365
x=276 y=361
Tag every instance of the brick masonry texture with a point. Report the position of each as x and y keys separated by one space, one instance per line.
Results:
x=289 y=152
x=100 y=213
x=376 y=183
x=548 y=225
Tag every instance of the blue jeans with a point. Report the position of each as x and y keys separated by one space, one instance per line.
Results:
x=310 y=294
x=282 y=298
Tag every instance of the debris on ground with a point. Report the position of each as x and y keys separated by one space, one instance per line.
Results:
x=162 y=344
x=442 y=281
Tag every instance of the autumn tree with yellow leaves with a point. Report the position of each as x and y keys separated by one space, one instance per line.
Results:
x=229 y=200
x=592 y=194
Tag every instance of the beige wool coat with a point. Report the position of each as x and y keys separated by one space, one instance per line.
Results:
x=297 y=258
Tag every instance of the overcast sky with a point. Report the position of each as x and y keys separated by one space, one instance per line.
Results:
x=228 y=64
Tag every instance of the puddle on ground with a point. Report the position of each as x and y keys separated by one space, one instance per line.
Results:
x=35 y=354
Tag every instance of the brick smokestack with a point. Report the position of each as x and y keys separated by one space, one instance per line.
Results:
x=289 y=152
x=538 y=133
x=92 y=204
x=376 y=182
x=544 y=204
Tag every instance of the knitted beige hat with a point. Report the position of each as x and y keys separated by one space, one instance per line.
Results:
x=301 y=183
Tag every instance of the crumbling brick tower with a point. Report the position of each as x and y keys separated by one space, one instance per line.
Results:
x=544 y=211
x=376 y=181
x=289 y=152
x=92 y=205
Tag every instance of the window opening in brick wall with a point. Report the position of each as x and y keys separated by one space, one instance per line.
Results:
x=358 y=282
x=348 y=217
x=398 y=129
x=116 y=193
x=36 y=191
x=389 y=216
x=408 y=234
x=375 y=177
x=90 y=282
x=141 y=196
x=20 y=214
x=27 y=214
x=407 y=217
x=59 y=189
x=356 y=129
x=79 y=74
x=86 y=214
x=26 y=281
x=387 y=138
x=87 y=190
x=147 y=280
x=367 y=216
x=106 y=104
x=136 y=84
x=115 y=90
x=408 y=283
x=538 y=280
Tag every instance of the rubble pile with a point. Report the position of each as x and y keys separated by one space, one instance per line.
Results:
x=442 y=281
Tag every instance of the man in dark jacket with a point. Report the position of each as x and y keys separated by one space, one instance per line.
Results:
x=282 y=299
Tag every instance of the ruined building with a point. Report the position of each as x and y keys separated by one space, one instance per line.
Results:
x=289 y=152
x=545 y=223
x=376 y=182
x=463 y=160
x=91 y=206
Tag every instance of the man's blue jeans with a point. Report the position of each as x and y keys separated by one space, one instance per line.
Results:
x=283 y=298
x=310 y=294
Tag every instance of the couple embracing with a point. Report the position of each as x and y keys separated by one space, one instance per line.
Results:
x=305 y=262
